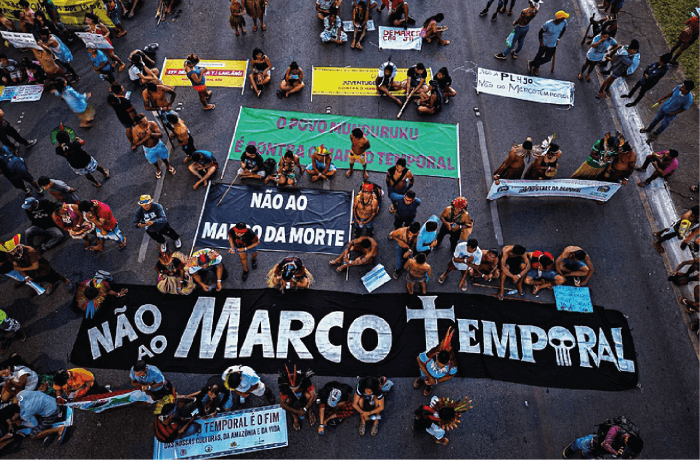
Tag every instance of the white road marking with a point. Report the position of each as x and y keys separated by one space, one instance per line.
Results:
x=487 y=174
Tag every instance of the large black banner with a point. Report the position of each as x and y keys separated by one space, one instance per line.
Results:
x=301 y=220
x=342 y=334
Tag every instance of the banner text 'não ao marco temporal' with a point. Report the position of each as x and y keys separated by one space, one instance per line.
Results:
x=430 y=149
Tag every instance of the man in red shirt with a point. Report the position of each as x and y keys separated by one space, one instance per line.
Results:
x=542 y=274
x=686 y=38
x=106 y=225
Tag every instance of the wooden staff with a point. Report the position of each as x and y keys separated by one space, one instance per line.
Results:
x=229 y=188
x=406 y=103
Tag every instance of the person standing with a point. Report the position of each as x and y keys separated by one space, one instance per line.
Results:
x=40 y=214
x=602 y=153
x=399 y=179
x=10 y=329
x=679 y=100
x=76 y=101
x=106 y=225
x=427 y=236
x=456 y=222
x=626 y=62
x=544 y=167
x=80 y=161
x=405 y=238
x=243 y=381
x=152 y=216
x=182 y=133
x=596 y=53
x=101 y=64
x=665 y=164
x=436 y=365
x=15 y=169
x=237 y=19
x=622 y=166
x=500 y=8
x=514 y=164
x=417 y=271
x=95 y=26
x=549 y=36
x=124 y=110
x=686 y=38
x=148 y=134
x=155 y=98
x=404 y=208
x=199 y=81
x=60 y=51
x=256 y=11
x=522 y=26
x=6 y=129
x=359 y=145
x=365 y=209
x=652 y=74
x=244 y=241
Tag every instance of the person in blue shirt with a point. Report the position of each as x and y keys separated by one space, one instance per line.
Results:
x=150 y=379
x=100 y=63
x=203 y=166
x=596 y=53
x=625 y=63
x=679 y=100
x=404 y=208
x=652 y=74
x=549 y=35
x=40 y=411
x=437 y=365
x=427 y=237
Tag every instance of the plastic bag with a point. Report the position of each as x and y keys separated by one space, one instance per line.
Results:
x=509 y=39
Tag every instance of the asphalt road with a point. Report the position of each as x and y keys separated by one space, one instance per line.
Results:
x=509 y=420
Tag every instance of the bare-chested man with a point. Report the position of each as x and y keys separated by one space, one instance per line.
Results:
x=575 y=263
x=285 y=176
x=489 y=268
x=456 y=222
x=367 y=249
x=514 y=164
x=321 y=166
x=622 y=165
x=182 y=133
x=515 y=264
x=360 y=144
x=405 y=238
x=417 y=271
x=155 y=97
x=542 y=274
x=365 y=209
x=148 y=134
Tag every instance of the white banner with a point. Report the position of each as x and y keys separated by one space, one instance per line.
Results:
x=348 y=26
x=589 y=189
x=101 y=403
x=98 y=40
x=524 y=87
x=19 y=40
x=395 y=38
x=231 y=433
x=24 y=93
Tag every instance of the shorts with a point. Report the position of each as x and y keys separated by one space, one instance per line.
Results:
x=248 y=251
x=45 y=423
x=460 y=265
x=200 y=88
x=259 y=173
x=573 y=265
x=260 y=390
x=361 y=158
x=547 y=275
x=90 y=168
x=115 y=234
x=416 y=279
x=153 y=153
x=311 y=167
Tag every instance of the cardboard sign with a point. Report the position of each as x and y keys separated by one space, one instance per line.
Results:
x=572 y=298
x=19 y=40
x=375 y=278
x=348 y=26
x=95 y=39
x=396 y=38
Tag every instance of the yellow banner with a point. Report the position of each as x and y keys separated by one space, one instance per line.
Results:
x=70 y=12
x=228 y=74
x=347 y=81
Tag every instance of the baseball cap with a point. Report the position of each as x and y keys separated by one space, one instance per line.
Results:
x=29 y=202
x=561 y=14
x=333 y=398
x=145 y=199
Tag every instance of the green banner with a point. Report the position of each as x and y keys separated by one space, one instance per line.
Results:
x=430 y=149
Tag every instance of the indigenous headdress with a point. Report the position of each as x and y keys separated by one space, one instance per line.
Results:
x=460 y=406
x=10 y=245
x=367 y=187
x=321 y=150
x=460 y=202
x=446 y=343
x=292 y=379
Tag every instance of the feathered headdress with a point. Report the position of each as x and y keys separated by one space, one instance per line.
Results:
x=446 y=343
x=460 y=406
x=293 y=379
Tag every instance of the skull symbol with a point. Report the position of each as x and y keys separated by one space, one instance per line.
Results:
x=563 y=341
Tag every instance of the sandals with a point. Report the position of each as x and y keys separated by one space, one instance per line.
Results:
x=159 y=174
x=172 y=170
x=312 y=419
x=428 y=389
x=375 y=429
x=442 y=278
x=580 y=77
x=417 y=383
x=362 y=430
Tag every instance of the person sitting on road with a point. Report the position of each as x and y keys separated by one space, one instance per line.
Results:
x=150 y=379
x=385 y=82
x=542 y=274
x=431 y=102
x=297 y=395
x=431 y=30
x=691 y=216
x=293 y=81
x=252 y=164
x=466 y=259
x=40 y=412
x=203 y=166
x=204 y=262
x=169 y=426
x=321 y=166
x=369 y=402
x=243 y=381
x=367 y=249
x=333 y=28
x=212 y=398
x=73 y=384
x=575 y=263
x=285 y=177
x=290 y=273
x=515 y=264
x=335 y=405
x=261 y=71
x=17 y=377
x=489 y=268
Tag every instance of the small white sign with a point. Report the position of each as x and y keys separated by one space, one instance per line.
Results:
x=396 y=38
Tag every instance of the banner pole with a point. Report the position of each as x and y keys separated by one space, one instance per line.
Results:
x=312 y=84
x=162 y=69
x=459 y=168
x=233 y=139
x=245 y=74
x=352 y=213
x=201 y=213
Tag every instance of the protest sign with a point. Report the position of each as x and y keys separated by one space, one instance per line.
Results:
x=525 y=87
x=220 y=73
x=230 y=433
x=24 y=93
x=430 y=149
x=303 y=220
x=348 y=26
x=71 y=12
x=396 y=38
x=573 y=298
x=349 y=81
x=589 y=189
x=342 y=334
x=99 y=41
x=375 y=278
x=20 y=40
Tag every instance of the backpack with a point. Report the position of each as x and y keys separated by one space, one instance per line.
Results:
x=270 y=166
x=623 y=422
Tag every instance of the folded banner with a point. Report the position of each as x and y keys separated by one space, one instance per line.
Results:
x=20 y=40
x=589 y=189
x=303 y=220
x=66 y=419
x=349 y=81
x=525 y=87
x=344 y=334
x=430 y=149
x=227 y=74
x=102 y=402
x=231 y=433
x=71 y=12
x=99 y=41
x=396 y=38
x=26 y=93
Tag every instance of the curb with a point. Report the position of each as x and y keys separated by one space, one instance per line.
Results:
x=657 y=195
